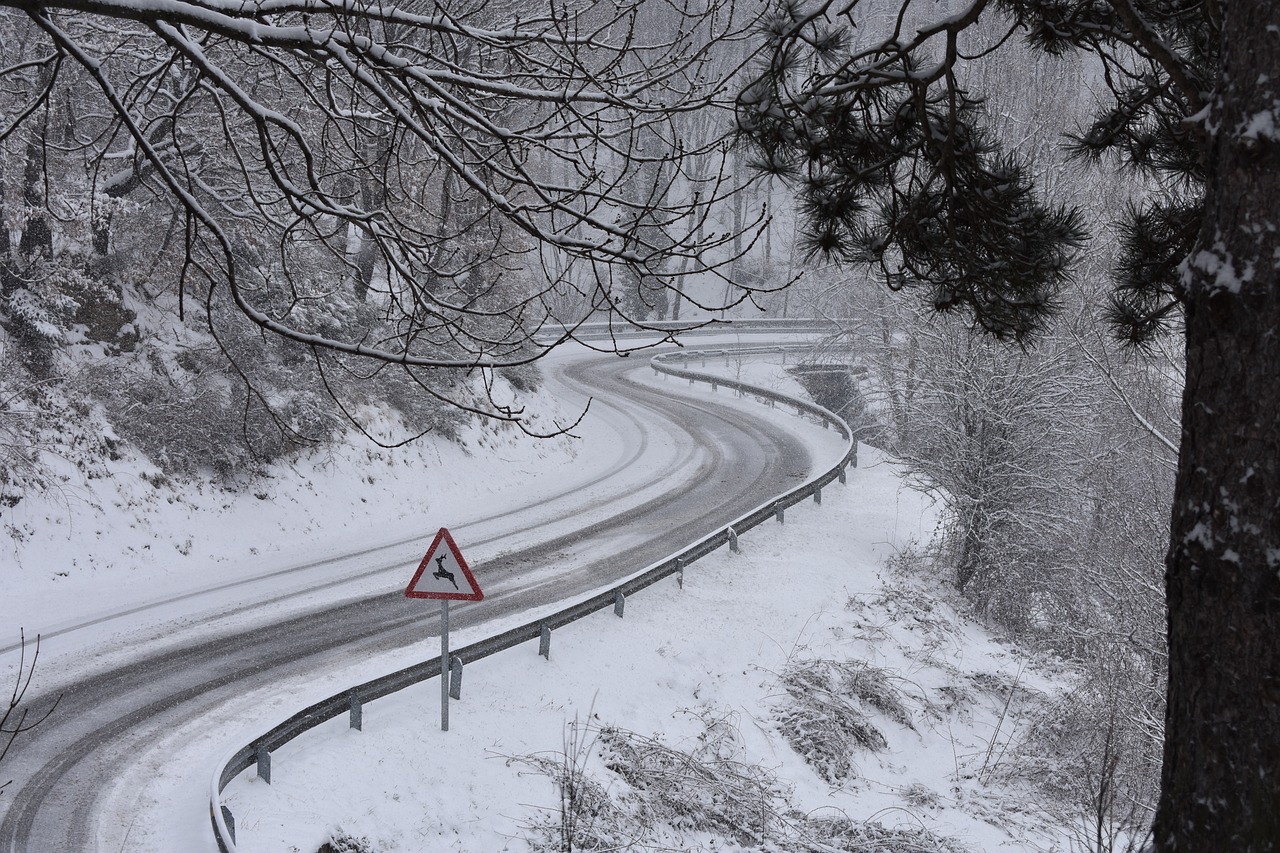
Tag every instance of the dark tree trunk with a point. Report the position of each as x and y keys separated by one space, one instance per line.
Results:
x=102 y=235
x=1221 y=777
x=8 y=275
x=36 y=237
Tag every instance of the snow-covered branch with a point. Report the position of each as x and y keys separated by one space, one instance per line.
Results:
x=413 y=156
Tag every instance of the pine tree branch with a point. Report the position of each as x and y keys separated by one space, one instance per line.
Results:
x=1159 y=52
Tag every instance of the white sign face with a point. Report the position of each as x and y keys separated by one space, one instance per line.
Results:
x=443 y=574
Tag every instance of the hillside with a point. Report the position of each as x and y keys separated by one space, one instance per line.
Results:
x=816 y=692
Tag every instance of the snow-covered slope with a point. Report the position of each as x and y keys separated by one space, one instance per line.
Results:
x=93 y=561
x=816 y=679
x=718 y=672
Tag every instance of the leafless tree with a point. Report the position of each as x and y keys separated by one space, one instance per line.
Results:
x=431 y=184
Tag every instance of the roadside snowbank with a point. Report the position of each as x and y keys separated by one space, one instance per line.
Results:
x=711 y=661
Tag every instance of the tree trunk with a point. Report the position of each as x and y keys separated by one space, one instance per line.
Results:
x=9 y=281
x=373 y=197
x=1221 y=778
x=36 y=239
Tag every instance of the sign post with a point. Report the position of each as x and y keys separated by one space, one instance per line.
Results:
x=444 y=665
x=450 y=580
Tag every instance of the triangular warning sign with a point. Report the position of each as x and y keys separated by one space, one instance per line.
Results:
x=443 y=574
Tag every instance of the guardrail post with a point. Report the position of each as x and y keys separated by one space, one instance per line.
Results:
x=817 y=497
x=733 y=541
x=714 y=386
x=619 y=603
x=357 y=711
x=230 y=821
x=843 y=479
x=262 y=756
x=780 y=513
x=680 y=573
x=544 y=642
x=455 y=678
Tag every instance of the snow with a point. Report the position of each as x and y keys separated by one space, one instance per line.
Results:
x=1260 y=125
x=105 y=564
x=1201 y=534
x=1220 y=265
x=814 y=588
x=104 y=550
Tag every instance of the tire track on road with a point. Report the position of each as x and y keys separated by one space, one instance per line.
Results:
x=62 y=768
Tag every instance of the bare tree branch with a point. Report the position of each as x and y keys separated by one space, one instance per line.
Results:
x=414 y=150
x=15 y=719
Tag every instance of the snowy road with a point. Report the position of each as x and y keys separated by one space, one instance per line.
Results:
x=125 y=760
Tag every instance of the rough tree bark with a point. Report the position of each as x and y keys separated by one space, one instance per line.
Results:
x=1221 y=778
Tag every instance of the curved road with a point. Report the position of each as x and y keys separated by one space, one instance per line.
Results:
x=715 y=463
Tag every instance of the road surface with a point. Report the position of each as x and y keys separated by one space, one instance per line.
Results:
x=687 y=465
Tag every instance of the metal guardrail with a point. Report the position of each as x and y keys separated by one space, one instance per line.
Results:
x=606 y=329
x=352 y=700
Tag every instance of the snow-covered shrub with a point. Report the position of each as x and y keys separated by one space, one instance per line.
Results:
x=37 y=317
x=825 y=718
x=415 y=396
x=836 y=387
x=523 y=377
x=830 y=834
x=671 y=796
x=296 y=382
x=585 y=818
x=17 y=437
x=701 y=798
x=196 y=419
x=907 y=602
x=703 y=790
x=1092 y=755
x=343 y=842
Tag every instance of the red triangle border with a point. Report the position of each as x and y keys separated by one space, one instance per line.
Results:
x=444 y=536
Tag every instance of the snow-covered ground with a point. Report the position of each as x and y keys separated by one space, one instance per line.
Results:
x=702 y=672
x=98 y=548
x=706 y=665
x=89 y=564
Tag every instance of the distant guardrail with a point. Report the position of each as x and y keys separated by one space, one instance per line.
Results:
x=604 y=329
x=352 y=700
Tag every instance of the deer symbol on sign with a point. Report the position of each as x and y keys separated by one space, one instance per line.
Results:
x=443 y=573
